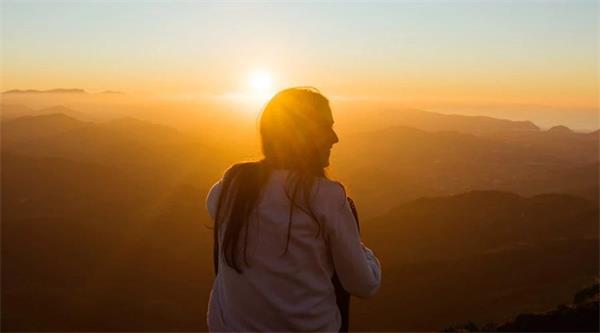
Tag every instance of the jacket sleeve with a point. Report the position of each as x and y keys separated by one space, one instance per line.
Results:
x=357 y=267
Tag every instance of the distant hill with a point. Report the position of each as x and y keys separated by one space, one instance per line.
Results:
x=481 y=256
x=495 y=286
x=58 y=91
x=381 y=168
x=413 y=163
x=126 y=222
x=112 y=92
x=13 y=111
x=479 y=222
x=106 y=222
x=49 y=91
x=580 y=316
x=48 y=125
x=125 y=143
x=85 y=237
x=36 y=127
x=433 y=121
x=560 y=130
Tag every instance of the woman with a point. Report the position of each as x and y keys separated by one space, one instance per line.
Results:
x=283 y=228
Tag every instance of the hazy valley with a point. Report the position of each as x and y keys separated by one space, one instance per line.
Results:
x=474 y=218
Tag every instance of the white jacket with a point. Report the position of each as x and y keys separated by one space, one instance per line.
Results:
x=293 y=292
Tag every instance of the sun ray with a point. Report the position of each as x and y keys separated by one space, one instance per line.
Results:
x=261 y=83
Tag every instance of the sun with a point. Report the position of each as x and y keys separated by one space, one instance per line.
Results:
x=261 y=83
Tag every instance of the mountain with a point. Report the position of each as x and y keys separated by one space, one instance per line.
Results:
x=115 y=229
x=58 y=91
x=57 y=109
x=99 y=242
x=475 y=222
x=560 y=130
x=481 y=256
x=559 y=140
x=381 y=168
x=106 y=222
x=49 y=91
x=38 y=127
x=431 y=121
x=127 y=144
x=396 y=164
x=13 y=111
x=112 y=92
x=494 y=286
x=580 y=316
x=104 y=197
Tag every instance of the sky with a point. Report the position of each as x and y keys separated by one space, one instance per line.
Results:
x=439 y=54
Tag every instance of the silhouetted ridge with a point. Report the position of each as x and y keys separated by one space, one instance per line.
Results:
x=112 y=92
x=56 y=109
x=587 y=294
x=11 y=112
x=44 y=122
x=435 y=121
x=420 y=163
x=14 y=110
x=51 y=119
x=560 y=129
x=595 y=134
x=50 y=91
x=34 y=127
x=119 y=194
x=477 y=222
x=581 y=316
x=481 y=196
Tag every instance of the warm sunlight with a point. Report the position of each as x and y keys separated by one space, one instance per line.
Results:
x=464 y=135
x=262 y=84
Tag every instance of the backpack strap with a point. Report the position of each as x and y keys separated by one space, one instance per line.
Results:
x=341 y=295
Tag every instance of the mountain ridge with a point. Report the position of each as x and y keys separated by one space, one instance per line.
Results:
x=48 y=91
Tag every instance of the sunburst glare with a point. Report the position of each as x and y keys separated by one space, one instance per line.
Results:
x=261 y=83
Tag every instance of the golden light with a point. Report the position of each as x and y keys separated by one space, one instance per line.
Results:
x=261 y=83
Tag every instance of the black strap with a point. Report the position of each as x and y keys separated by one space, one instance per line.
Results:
x=341 y=295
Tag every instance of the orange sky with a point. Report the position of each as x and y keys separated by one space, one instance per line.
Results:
x=432 y=54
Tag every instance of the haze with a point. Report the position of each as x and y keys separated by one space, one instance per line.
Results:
x=530 y=60
x=468 y=134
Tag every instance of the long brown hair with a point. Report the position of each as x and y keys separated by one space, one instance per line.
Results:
x=286 y=144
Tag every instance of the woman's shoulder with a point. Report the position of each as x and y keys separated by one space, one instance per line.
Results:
x=212 y=197
x=330 y=191
x=235 y=171
x=231 y=173
x=331 y=186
